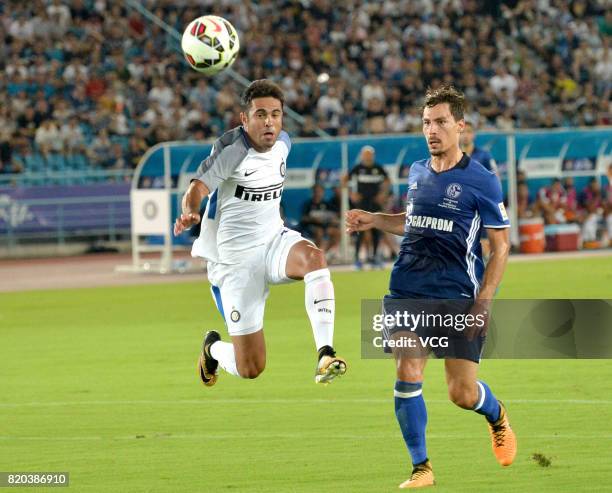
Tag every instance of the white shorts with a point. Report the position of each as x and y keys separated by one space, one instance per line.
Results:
x=240 y=290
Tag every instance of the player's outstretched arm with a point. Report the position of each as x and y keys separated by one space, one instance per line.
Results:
x=358 y=220
x=190 y=207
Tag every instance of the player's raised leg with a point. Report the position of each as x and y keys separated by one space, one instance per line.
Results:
x=411 y=415
x=306 y=261
x=469 y=393
x=239 y=292
x=244 y=357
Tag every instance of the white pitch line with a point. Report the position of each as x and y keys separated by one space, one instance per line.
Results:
x=208 y=401
x=287 y=436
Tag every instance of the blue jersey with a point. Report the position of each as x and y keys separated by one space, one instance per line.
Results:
x=440 y=255
x=484 y=157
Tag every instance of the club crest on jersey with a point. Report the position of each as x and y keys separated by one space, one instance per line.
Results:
x=413 y=186
x=453 y=190
x=283 y=168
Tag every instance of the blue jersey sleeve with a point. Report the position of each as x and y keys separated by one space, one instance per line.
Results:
x=485 y=158
x=491 y=164
x=491 y=204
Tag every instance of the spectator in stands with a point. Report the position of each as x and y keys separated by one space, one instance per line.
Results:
x=571 y=206
x=27 y=123
x=320 y=221
x=526 y=207
x=553 y=201
x=6 y=153
x=100 y=150
x=118 y=159
x=48 y=138
x=330 y=109
x=594 y=209
x=503 y=81
x=396 y=121
x=72 y=136
x=161 y=93
x=375 y=116
x=136 y=148
x=203 y=94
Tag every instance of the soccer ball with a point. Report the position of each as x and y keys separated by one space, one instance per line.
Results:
x=210 y=44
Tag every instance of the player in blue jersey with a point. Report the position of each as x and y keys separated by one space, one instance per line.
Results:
x=479 y=154
x=485 y=158
x=440 y=272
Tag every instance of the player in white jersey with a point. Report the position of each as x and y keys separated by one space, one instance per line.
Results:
x=247 y=247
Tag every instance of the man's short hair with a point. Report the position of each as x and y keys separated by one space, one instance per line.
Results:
x=446 y=94
x=262 y=88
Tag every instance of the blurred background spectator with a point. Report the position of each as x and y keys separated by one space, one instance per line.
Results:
x=321 y=221
x=561 y=203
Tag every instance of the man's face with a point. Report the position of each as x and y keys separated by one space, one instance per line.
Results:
x=467 y=137
x=263 y=122
x=367 y=157
x=441 y=130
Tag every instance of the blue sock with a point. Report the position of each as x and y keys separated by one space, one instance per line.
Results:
x=412 y=417
x=487 y=404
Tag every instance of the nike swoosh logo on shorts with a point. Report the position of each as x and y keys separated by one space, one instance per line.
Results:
x=249 y=173
x=324 y=299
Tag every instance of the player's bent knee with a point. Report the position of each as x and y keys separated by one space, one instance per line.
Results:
x=408 y=375
x=409 y=371
x=463 y=396
x=251 y=369
x=315 y=259
x=250 y=372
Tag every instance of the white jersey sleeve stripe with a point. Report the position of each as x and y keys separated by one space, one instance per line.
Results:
x=227 y=153
x=284 y=138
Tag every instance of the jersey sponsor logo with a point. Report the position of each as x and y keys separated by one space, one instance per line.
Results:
x=361 y=178
x=453 y=190
x=502 y=210
x=429 y=222
x=259 y=194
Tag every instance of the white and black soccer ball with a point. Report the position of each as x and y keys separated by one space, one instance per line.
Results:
x=210 y=44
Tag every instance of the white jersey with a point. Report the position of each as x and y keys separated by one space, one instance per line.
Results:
x=243 y=209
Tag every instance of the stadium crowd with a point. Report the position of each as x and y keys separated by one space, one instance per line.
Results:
x=94 y=80
x=562 y=203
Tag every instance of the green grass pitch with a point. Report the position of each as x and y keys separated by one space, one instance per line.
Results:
x=101 y=383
